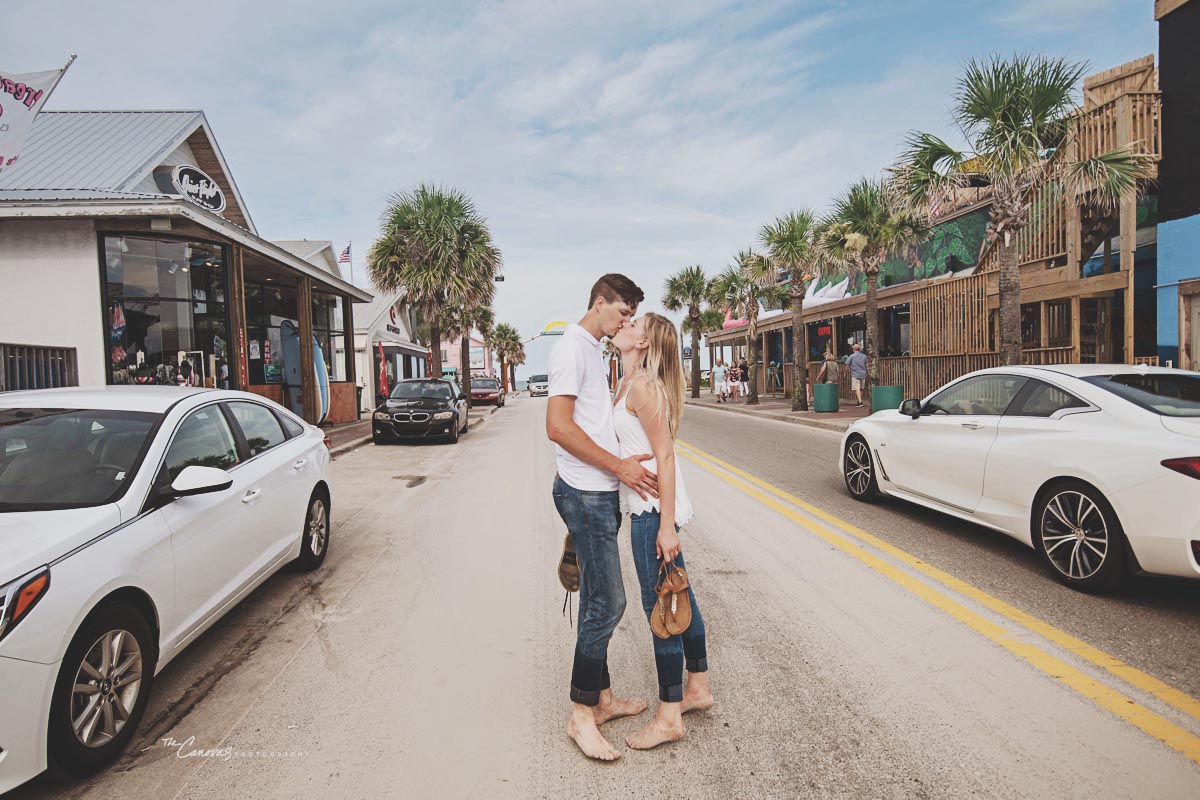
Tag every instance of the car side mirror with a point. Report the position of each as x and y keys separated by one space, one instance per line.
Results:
x=199 y=480
x=911 y=408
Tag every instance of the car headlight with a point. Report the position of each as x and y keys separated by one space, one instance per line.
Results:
x=18 y=598
x=382 y=415
x=443 y=415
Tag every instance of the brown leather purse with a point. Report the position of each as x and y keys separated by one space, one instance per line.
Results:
x=672 y=612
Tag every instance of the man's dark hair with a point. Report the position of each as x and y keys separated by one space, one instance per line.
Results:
x=613 y=287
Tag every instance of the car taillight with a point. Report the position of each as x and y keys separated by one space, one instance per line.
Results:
x=328 y=443
x=1185 y=466
x=18 y=598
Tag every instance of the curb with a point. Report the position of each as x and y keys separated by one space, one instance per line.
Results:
x=810 y=423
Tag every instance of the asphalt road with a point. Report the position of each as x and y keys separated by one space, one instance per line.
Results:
x=429 y=657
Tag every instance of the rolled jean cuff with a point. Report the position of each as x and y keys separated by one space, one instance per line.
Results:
x=671 y=694
x=696 y=664
x=585 y=698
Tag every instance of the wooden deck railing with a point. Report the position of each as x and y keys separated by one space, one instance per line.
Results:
x=32 y=367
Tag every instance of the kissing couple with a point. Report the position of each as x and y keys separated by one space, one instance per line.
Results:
x=616 y=455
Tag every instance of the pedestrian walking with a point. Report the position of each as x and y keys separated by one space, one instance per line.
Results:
x=735 y=382
x=719 y=373
x=647 y=410
x=579 y=420
x=830 y=371
x=858 y=371
x=744 y=377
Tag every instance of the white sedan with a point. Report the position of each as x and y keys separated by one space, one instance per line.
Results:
x=1096 y=466
x=131 y=520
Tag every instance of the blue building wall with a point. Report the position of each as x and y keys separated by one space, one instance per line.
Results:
x=1178 y=260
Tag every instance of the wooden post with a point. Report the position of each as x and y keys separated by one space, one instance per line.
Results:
x=236 y=352
x=308 y=378
x=1074 y=221
x=1128 y=223
x=350 y=350
x=1076 y=327
x=1043 y=325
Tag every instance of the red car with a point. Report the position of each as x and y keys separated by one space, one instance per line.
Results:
x=486 y=391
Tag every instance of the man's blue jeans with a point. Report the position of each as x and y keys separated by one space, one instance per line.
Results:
x=669 y=654
x=593 y=519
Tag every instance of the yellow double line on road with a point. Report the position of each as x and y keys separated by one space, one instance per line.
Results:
x=1151 y=723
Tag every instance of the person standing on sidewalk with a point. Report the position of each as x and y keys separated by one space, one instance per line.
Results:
x=719 y=373
x=744 y=378
x=647 y=411
x=579 y=420
x=858 y=371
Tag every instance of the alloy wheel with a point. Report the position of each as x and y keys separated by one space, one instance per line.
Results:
x=318 y=526
x=1075 y=536
x=858 y=467
x=106 y=688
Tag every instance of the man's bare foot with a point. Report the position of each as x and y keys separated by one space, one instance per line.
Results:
x=612 y=708
x=582 y=728
x=657 y=731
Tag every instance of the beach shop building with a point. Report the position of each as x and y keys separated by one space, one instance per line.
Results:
x=128 y=256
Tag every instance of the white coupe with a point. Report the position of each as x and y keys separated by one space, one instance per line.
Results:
x=131 y=519
x=1096 y=466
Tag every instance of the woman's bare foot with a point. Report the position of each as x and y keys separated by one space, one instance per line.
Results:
x=698 y=694
x=659 y=730
x=582 y=728
x=612 y=707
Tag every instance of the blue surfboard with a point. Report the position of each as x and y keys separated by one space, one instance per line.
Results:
x=290 y=340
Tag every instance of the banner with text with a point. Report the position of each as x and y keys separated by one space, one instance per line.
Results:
x=22 y=96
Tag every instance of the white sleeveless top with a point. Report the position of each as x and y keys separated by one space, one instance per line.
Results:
x=634 y=441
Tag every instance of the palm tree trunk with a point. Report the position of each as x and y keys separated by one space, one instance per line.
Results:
x=503 y=375
x=872 y=311
x=512 y=375
x=464 y=365
x=755 y=345
x=1010 y=305
x=694 y=313
x=799 y=354
x=435 y=343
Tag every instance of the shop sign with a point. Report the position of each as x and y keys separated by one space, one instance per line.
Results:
x=196 y=186
x=393 y=329
x=476 y=358
x=825 y=330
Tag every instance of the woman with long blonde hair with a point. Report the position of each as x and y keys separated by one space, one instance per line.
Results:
x=648 y=407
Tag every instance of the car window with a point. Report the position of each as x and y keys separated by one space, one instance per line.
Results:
x=484 y=383
x=259 y=426
x=52 y=458
x=290 y=426
x=538 y=378
x=428 y=390
x=1168 y=394
x=983 y=395
x=203 y=440
x=1040 y=399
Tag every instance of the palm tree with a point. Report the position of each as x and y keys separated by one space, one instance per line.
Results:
x=751 y=279
x=689 y=288
x=790 y=244
x=436 y=248
x=1015 y=116
x=458 y=321
x=505 y=340
x=516 y=357
x=869 y=221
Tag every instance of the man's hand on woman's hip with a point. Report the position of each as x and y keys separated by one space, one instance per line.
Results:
x=631 y=473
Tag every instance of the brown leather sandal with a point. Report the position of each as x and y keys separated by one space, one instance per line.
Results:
x=673 y=610
x=568 y=566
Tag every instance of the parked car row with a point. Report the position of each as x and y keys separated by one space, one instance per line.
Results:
x=131 y=520
x=1094 y=466
x=430 y=408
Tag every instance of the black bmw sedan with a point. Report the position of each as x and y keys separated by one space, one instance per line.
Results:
x=421 y=408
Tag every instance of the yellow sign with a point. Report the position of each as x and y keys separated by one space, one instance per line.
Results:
x=555 y=328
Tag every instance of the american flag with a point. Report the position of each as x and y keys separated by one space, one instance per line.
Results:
x=344 y=258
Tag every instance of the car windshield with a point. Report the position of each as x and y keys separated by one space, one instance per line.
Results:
x=421 y=390
x=486 y=383
x=1167 y=394
x=537 y=378
x=55 y=458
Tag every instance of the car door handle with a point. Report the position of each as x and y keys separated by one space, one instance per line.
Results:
x=298 y=463
x=972 y=426
x=251 y=495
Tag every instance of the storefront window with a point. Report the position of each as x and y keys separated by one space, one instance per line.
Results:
x=267 y=308
x=165 y=311
x=820 y=339
x=330 y=333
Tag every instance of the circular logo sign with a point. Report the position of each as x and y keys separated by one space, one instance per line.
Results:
x=197 y=187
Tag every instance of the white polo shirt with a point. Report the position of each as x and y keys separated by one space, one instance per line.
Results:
x=577 y=370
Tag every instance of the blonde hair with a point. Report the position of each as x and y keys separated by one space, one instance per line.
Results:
x=663 y=366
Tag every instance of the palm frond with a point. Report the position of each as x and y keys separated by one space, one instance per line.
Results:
x=1105 y=178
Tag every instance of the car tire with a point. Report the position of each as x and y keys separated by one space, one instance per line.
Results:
x=314 y=538
x=454 y=432
x=112 y=624
x=858 y=470
x=1080 y=538
x=377 y=439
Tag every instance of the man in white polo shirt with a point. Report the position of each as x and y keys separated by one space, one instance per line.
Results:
x=579 y=420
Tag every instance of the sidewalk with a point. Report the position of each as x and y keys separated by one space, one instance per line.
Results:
x=777 y=407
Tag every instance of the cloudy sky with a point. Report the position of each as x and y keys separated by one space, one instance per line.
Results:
x=621 y=135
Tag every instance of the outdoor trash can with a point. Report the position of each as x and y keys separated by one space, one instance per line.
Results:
x=825 y=397
x=886 y=397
